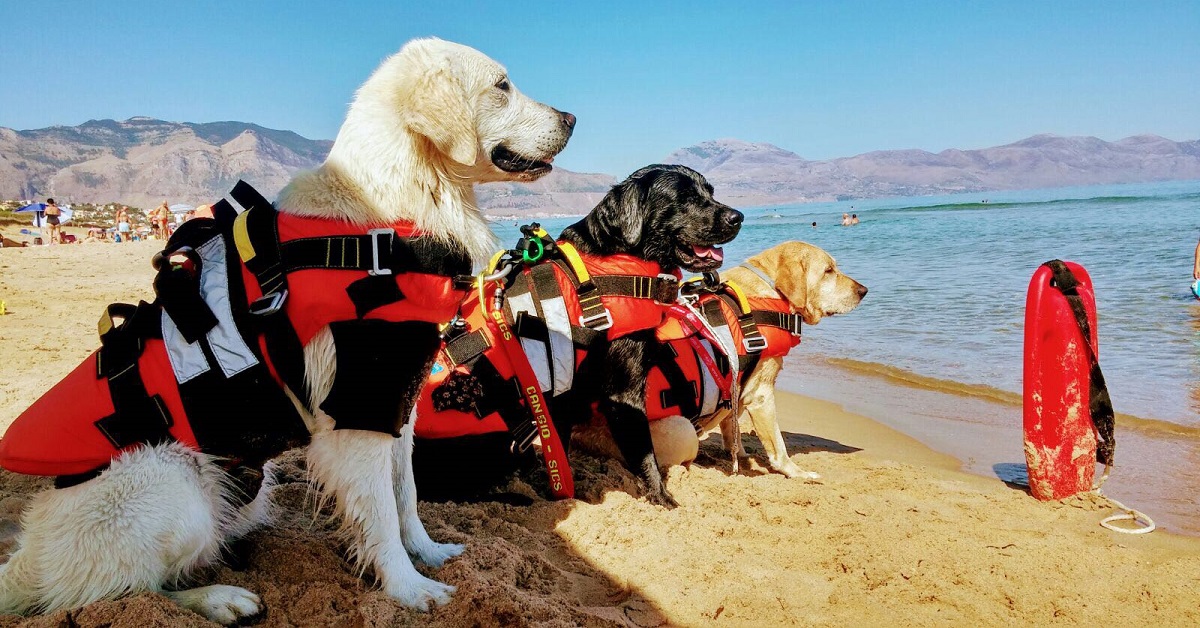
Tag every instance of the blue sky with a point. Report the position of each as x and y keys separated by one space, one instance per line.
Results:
x=822 y=79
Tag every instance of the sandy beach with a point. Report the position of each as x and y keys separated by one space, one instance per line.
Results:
x=894 y=534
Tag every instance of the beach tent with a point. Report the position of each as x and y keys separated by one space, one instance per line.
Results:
x=39 y=218
x=180 y=208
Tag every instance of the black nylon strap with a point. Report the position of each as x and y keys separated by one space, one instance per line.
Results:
x=748 y=324
x=782 y=320
x=682 y=392
x=1099 y=403
x=358 y=252
x=503 y=396
x=283 y=344
x=178 y=292
x=660 y=289
x=466 y=347
x=137 y=417
x=123 y=344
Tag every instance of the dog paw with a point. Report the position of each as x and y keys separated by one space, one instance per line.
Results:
x=436 y=554
x=790 y=469
x=662 y=498
x=421 y=593
x=221 y=603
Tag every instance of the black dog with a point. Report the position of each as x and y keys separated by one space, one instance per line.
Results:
x=661 y=213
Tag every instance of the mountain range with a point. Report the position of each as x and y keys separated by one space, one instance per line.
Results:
x=142 y=161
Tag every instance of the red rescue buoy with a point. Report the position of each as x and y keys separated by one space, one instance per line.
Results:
x=1060 y=369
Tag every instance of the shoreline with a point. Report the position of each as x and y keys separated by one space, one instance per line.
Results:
x=1157 y=462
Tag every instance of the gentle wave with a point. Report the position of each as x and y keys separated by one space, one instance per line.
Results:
x=896 y=375
x=1060 y=201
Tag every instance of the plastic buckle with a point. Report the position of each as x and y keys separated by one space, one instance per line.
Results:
x=375 y=269
x=269 y=304
x=604 y=317
x=524 y=441
x=754 y=344
x=455 y=328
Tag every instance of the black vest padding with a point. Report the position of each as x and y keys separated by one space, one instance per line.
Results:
x=381 y=367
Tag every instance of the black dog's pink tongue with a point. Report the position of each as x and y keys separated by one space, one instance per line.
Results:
x=713 y=252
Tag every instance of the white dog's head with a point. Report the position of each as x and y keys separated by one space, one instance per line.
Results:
x=470 y=113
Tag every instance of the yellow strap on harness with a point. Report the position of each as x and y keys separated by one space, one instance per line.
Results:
x=743 y=302
x=574 y=261
x=241 y=237
x=105 y=324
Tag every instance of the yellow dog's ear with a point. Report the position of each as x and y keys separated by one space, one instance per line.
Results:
x=788 y=263
x=438 y=109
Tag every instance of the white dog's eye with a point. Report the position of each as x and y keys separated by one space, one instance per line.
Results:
x=828 y=269
x=503 y=85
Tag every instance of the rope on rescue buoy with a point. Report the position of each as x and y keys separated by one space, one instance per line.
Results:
x=1136 y=516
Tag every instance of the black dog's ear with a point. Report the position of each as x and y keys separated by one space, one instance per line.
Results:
x=619 y=218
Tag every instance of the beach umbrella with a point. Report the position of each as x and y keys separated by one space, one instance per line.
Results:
x=63 y=218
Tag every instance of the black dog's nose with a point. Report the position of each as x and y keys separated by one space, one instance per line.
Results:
x=568 y=119
x=733 y=217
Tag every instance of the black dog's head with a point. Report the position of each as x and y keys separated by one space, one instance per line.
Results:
x=664 y=214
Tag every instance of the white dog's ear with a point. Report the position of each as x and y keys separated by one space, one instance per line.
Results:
x=438 y=109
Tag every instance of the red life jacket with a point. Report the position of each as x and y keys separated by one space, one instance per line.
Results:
x=694 y=371
x=207 y=362
x=555 y=309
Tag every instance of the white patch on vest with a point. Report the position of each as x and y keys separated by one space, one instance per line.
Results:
x=709 y=392
x=187 y=360
x=230 y=350
x=227 y=344
x=535 y=351
x=562 y=347
x=237 y=207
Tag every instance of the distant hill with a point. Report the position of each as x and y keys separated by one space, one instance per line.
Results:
x=141 y=161
x=762 y=174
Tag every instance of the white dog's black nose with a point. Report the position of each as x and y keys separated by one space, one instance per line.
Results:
x=568 y=119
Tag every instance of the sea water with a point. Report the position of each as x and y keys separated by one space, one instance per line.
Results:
x=948 y=277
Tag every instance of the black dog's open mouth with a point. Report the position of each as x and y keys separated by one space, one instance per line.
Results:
x=700 y=257
x=509 y=161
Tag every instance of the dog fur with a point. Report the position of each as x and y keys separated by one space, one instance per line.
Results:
x=809 y=279
x=430 y=122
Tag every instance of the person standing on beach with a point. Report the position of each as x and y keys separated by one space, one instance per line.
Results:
x=122 y=224
x=52 y=221
x=160 y=218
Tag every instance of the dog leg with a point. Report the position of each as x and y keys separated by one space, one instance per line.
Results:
x=355 y=467
x=257 y=513
x=731 y=436
x=153 y=516
x=623 y=405
x=758 y=397
x=412 y=531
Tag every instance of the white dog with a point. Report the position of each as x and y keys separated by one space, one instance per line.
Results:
x=433 y=120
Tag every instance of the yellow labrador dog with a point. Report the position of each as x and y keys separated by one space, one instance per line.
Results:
x=808 y=278
x=429 y=123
